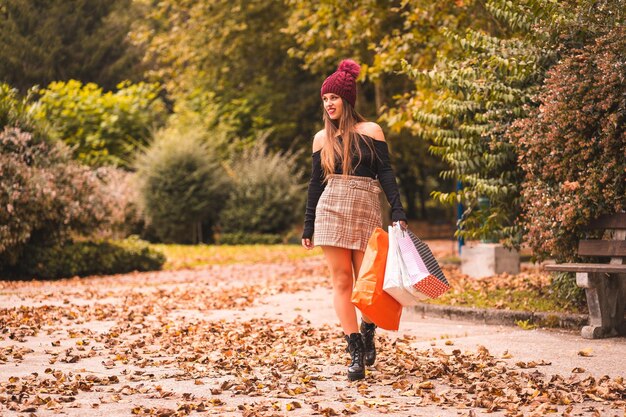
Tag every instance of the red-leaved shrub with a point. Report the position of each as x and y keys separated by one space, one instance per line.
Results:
x=572 y=148
x=125 y=218
x=44 y=195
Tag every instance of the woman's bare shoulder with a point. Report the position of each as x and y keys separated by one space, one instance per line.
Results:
x=371 y=129
x=318 y=140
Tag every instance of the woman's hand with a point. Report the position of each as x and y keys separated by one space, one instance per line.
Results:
x=402 y=224
x=308 y=245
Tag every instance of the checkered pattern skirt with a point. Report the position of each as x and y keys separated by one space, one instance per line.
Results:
x=347 y=212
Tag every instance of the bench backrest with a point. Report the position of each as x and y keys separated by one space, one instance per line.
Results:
x=606 y=248
x=609 y=221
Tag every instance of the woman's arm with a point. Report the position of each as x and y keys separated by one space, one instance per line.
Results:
x=385 y=172
x=316 y=187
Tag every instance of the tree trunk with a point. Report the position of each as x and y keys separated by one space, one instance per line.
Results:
x=379 y=95
x=423 y=199
x=409 y=195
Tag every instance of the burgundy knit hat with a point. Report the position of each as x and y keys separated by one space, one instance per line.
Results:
x=343 y=81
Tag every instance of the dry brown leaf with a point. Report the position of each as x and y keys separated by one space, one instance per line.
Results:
x=290 y=406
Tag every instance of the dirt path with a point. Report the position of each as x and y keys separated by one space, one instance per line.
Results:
x=262 y=340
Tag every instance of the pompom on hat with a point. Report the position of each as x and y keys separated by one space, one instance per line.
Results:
x=343 y=81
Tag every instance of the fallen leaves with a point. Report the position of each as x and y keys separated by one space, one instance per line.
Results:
x=529 y=290
x=292 y=405
x=147 y=337
x=585 y=352
x=13 y=353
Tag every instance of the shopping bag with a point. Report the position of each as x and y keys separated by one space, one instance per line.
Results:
x=396 y=276
x=425 y=278
x=368 y=295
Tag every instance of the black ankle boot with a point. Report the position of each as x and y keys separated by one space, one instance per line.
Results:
x=368 y=331
x=356 y=370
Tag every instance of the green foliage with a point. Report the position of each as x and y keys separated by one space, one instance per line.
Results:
x=231 y=56
x=417 y=171
x=466 y=103
x=84 y=258
x=15 y=111
x=526 y=324
x=379 y=35
x=101 y=128
x=9 y=106
x=573 y=147
x=45 y=41
x=242 y=238
x=44 y=195
x=413 y=34
x=266 y=195
x=327 y=31
x=476 y=95
x=564 y=287
x=182 y=186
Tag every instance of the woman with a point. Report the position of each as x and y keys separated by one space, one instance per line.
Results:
x=350 y=166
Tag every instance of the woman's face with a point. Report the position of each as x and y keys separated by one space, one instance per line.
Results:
x=333 y=104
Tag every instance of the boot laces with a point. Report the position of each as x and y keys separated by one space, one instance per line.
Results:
x=356 y=357
x=356 y=351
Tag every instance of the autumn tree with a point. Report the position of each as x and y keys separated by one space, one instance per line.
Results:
x=473 y=95
x=58 y=40
x=380 y=34
x=228 y=62
x=477 y=94
x=419 y=40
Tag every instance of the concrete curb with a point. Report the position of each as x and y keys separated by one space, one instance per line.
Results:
x=495 y=316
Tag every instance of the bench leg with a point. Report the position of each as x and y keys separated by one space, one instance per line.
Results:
x=606 y=297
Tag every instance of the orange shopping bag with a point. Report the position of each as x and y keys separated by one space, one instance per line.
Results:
x=368 y=294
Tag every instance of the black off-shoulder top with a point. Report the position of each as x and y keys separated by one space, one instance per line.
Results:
x=373 y=166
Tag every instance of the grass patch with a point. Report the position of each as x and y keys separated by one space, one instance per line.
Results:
x=451 y=260
x=527 y=291
x=530 y=290
x=525 y=325
x=197 y=256
x=509 y=299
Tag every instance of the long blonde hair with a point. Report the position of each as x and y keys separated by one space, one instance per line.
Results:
x=333 y=150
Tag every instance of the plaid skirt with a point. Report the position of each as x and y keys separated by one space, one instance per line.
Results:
x=347 y=212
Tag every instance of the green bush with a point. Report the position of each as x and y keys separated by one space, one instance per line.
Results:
x=266 y=196
x=14 y=110
x=182 y=187
x=101 y=128
x=564 y=287
x=89 y=258
x=44 y=195
x=249 y=239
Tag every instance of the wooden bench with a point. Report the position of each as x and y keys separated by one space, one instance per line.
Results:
x=604 y=283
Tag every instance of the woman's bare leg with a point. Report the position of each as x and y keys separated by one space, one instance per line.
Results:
x=357 y=261
x=340 y=263
x=367 y=330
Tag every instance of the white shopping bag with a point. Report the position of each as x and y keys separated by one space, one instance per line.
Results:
x=396 y=275
x=408 y=253
x=424 y=278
